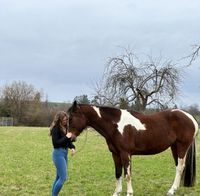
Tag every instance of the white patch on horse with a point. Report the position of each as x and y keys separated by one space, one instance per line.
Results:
x=128 y=119
x=128 y=179
x=118 y=188
x=179 y=170
x=191 y=118
x=97 y=111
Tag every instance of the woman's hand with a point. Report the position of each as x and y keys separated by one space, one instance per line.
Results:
x=69 y=135
x=73 y=151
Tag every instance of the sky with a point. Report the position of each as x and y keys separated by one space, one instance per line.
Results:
x=62 y=47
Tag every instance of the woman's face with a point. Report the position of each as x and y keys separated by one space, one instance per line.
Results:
x=64 y=121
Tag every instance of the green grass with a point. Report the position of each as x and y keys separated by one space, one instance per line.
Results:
x=26 y=167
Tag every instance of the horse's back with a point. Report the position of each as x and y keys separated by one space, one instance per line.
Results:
x=163 y=129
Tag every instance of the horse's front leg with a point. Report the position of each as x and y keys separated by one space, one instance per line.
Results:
x=126 y=161
x=118 y=174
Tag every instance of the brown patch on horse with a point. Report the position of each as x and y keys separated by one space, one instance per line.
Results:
x=110 y=114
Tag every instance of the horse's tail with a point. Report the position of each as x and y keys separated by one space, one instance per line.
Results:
x=189 y=174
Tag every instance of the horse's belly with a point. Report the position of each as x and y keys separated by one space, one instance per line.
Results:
x=154 y=146
x=150 y=151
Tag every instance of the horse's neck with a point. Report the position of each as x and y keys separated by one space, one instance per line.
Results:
x=94 y=123
x=98 y=124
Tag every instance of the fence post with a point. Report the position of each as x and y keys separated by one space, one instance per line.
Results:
x=6 y=121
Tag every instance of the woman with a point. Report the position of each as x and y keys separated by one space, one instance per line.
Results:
x=61 y=142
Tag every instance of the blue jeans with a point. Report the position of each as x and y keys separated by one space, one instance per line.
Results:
x=59 y=157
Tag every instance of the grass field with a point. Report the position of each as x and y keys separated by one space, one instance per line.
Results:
x=26 y=167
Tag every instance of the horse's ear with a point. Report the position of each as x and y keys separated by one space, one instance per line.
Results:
x=73 y=107
x=74 y=104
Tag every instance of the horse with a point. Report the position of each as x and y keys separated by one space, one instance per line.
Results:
x=130 y=133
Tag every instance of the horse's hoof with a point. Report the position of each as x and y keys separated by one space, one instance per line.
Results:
x=116 y=194
x=169 y=194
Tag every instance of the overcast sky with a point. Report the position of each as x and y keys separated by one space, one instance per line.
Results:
x=62 y=46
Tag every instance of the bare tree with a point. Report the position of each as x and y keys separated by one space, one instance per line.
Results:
x=21 y=99
x=193 y=55
x=139 y=83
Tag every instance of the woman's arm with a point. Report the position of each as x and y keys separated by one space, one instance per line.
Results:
x=59 y=141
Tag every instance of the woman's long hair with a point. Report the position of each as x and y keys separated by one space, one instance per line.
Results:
x=57 y=121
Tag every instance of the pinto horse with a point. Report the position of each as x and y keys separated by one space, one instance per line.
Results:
x=132 y=133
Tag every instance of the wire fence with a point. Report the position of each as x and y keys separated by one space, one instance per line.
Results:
x=6 y=121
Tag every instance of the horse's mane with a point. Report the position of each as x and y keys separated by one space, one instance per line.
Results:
x=104 y=108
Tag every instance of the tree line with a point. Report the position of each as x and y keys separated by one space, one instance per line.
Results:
x=24 y=103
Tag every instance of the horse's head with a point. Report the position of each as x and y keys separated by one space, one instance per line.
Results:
x=77 y=120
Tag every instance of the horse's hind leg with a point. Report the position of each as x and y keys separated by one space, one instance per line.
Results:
x=179 y=152
x=118 y=174
x=175 y=153
x=128 y=178
x=179 y=170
